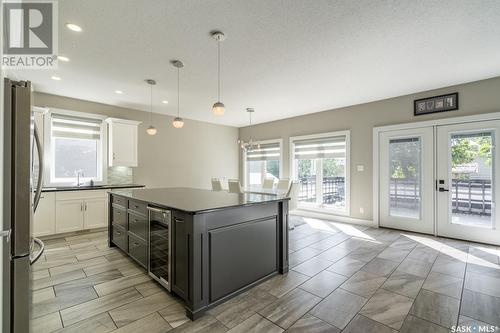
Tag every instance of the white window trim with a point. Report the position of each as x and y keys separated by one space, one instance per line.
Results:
x=47 y=144
x=314 y=207
x=244 y=158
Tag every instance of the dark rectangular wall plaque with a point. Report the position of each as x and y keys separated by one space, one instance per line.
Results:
x=448 y=102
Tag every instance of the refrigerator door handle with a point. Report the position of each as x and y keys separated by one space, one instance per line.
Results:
x=34 y=259
x=6 y=234
x=39 y=147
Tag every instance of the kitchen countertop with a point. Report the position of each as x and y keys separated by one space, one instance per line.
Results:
x=193 y=200
x=86 y=187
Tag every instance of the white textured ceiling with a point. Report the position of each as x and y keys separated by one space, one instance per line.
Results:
x=282 y=57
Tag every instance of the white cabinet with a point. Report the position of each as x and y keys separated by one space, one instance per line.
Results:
x=122 y=142
x=44 y=222
x=81 y=210
x=69 y=215
x=95 y=213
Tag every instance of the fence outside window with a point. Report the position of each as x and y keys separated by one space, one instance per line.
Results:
x=471 y=196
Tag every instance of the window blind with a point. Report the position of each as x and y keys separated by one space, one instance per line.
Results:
x=64 y=126
x=266 y=152
x=329 y=147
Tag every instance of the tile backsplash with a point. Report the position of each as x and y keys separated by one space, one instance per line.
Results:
x=120 y=175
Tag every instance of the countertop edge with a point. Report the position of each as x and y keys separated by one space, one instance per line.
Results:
x=89 y=188
x=202 y=211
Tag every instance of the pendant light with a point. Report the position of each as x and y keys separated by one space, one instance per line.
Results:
x=178 y=121
x=218 y=108
x=250 y=145
x=151 y=129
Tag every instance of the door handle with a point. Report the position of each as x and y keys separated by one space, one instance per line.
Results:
x=6 y=234
x=442 y=189
x=34 y=258
x=39 y=148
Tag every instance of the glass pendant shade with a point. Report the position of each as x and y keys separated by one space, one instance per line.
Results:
x=178 y=122
x=218 y=109
x=151 y=130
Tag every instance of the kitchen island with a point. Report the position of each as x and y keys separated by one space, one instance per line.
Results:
x=219 y=244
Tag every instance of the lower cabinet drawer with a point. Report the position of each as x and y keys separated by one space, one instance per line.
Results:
x=119 y=237
x=119 y=217
x=138 y=225
x=119 y=201
x=138 y=250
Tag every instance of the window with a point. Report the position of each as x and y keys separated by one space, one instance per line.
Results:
x=74 y=144
x=321 y=166
x=263 y=162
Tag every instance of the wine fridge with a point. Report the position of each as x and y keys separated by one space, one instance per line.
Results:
x=159 y=252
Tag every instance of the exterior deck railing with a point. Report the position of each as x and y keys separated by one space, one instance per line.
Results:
x=471 y=196
x=467 y=196
x=333 y=189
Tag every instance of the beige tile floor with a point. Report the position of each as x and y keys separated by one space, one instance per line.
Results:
x=342 y=278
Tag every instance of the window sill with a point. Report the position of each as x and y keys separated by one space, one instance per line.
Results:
x=329 y=211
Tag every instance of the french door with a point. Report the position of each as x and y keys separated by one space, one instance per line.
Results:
x=467 y=181
x=441 y=180
x=406 y=180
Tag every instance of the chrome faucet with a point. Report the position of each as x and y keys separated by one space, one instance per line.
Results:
x=79 y=174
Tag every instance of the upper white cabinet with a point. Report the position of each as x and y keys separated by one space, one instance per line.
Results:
x=122 y=142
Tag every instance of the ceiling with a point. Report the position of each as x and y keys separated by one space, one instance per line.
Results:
x=282 y=57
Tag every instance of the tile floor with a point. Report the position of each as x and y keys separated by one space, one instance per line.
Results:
x=342 y=278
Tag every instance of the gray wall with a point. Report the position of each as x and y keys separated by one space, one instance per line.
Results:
x=173 y=157
x=476 y=97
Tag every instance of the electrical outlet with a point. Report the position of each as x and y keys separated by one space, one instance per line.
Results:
x=360 y=167
x=361 y=210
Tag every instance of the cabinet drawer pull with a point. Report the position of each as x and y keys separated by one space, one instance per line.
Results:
x=135 y=244
x=118 y=233
x=179 y=220
x=118 y=213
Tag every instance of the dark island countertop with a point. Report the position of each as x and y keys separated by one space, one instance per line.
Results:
x=86 y=187
x=193 y=200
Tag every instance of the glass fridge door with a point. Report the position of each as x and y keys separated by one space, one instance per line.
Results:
x=159 y=245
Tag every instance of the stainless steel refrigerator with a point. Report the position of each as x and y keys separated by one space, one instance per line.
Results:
x=20 y=249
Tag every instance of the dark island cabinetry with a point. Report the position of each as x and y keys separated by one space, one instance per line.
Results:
x=128 y=227
x=220 y=244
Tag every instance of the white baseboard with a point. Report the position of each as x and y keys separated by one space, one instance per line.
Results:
x=335 y=218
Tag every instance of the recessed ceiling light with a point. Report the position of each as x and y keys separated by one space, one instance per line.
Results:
x=73 y=27
x=164 y=102
x=63 y=58
x=119 y=92
x=57 y=78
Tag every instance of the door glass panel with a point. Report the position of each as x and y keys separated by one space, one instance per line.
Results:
x=471 y=176
x=405 y=176
x=306 y=169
